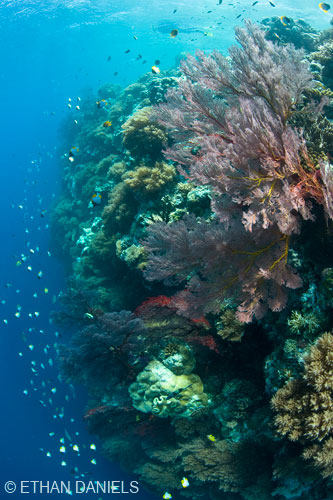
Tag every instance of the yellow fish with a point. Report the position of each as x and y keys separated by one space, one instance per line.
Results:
x=96 y=199
x=211 y=437
x=167 y=496
x=185 y=483
x=101 y=103
x=324 y=6
x=285 y=20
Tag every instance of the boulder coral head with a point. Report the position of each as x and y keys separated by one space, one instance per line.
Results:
x=168 y=388
x=143 y=136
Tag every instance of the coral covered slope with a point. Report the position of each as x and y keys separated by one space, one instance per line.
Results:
x=197 y=230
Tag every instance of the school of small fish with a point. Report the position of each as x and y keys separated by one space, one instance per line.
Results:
x=24 y=313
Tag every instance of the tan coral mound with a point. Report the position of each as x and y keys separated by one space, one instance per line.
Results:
x=142 y=136
x=150 y=179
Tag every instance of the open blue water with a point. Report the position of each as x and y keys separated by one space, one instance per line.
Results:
x=51 y=50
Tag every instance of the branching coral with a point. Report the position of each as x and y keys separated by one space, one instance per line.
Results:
x=305 y=406
x=298 y=32
x=228 y=327
x=142 y=136
x=306 y=323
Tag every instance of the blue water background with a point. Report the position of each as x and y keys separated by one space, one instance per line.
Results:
x=50 y=51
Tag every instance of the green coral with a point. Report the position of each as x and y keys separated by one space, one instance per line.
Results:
x=158 y=87
x=158 y=390
x=299 y=323
x=297 y=32
x=324 y=54
x=323 y=59
x=133 y=255
x=177 y=357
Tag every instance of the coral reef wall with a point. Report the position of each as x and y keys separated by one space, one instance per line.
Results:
x=196 y=225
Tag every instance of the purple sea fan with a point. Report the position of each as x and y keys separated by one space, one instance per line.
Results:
x=103 y=350
x=215 y=264
x=229 y=125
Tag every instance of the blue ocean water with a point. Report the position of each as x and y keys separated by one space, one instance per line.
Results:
x=50 y=51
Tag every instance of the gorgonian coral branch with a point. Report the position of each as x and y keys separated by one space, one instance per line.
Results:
x=229 y=123
x=215 y=263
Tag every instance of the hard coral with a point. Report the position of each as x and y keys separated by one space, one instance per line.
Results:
x=120 y=209
x=143 y=136
x=297 y=32
x=160 y=391
x=149 y=179
x=158 y=87
x=228 y=327
x=305 y=406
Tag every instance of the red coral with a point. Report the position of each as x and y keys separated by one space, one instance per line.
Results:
x=151 y=302
x=206 y=341
x=201 y=321
x=93 y=412
x=148 y=306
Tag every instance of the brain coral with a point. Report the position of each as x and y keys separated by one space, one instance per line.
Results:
x=142 y=136
x=305 y=406
x=160 y=391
